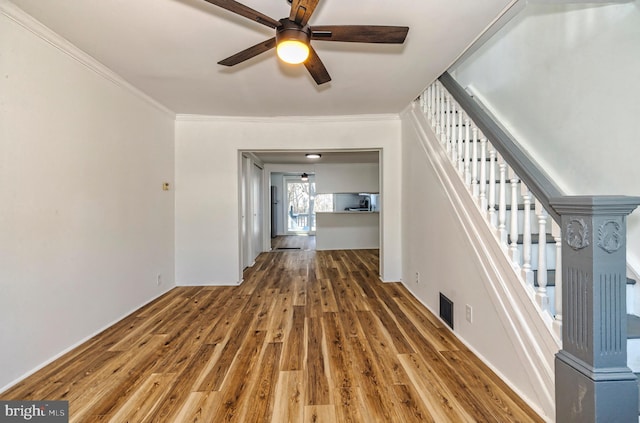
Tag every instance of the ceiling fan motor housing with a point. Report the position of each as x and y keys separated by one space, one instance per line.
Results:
x=289 y=30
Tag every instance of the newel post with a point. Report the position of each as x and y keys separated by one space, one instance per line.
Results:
x=593 y=382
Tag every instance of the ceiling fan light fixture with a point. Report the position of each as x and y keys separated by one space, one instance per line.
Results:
x=294 y=35
x=304 y=177
x=292 y=42
x=292 y=51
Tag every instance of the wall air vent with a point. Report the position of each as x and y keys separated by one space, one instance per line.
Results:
x=446 y=310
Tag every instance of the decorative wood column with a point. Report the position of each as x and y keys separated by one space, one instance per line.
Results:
x=593 y=382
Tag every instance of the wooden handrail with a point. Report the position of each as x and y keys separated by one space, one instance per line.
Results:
x=536 y=179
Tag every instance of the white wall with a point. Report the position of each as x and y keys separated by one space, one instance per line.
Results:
x=207 y=249
x=564 y=80
x=334 y=178
x=85 y=227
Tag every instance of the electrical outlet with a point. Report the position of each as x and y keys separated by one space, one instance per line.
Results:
x=417 y=277
x=469 y=313
x=159 y=279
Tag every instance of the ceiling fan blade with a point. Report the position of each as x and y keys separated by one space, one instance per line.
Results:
x=247 y=12
x=249 y=53
x=316 y=68
x=301 y=10
x=360 y=33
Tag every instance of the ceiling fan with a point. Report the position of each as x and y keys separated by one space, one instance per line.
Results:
x=293 y=36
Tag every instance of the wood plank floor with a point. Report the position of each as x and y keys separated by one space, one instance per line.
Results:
x=308 y=337
x=294 y=242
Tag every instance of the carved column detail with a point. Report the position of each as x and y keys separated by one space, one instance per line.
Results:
x=612 y=293
x=577 y=324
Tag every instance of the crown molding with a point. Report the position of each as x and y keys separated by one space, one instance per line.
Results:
x=37 y=28
x=289 y=119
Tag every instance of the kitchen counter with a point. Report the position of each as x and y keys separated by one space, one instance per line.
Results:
x=347 y=230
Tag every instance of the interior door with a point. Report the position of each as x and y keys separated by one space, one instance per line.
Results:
x=245 y=250
x=256 y=206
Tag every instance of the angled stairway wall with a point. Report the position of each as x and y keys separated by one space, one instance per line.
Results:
x=447 y=248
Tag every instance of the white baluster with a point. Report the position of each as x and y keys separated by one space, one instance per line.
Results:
x=454 y=141
x=493 y=217
x=502 y=202
x=443 y=103
x=513 y=236
x=427 y=103
x=460 y=144
x=438 y=106
x=474 y=164
x=433 y=104
x=541 y=292
x=447 y=137
x=483 y=175
x=526 y=237
x=557 y=237
x=467 y=155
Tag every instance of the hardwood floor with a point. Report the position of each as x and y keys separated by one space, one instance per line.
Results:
x=308 y=337
x=294 y=242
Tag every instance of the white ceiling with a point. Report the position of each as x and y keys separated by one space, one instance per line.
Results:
x=169 y=49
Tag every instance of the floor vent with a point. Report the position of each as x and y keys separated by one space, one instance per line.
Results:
x=446 y=310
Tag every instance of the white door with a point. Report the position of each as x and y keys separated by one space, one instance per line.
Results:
x=256 y=206
x=245 y=251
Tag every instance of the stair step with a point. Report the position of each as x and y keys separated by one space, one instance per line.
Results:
x=535 y=239
x=551 y=278
x=520 y=207
x=633 y=326
x=633 y=344
x=631 y=319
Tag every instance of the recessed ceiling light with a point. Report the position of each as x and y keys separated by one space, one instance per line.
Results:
x=313 y=156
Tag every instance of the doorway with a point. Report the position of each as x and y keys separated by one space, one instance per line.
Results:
x=300 y=201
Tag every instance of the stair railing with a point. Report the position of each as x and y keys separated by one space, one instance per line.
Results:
x=523 y=222
x=508 y=189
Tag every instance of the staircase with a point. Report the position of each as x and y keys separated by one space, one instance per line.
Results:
x=525 y=225
x=516 y=216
